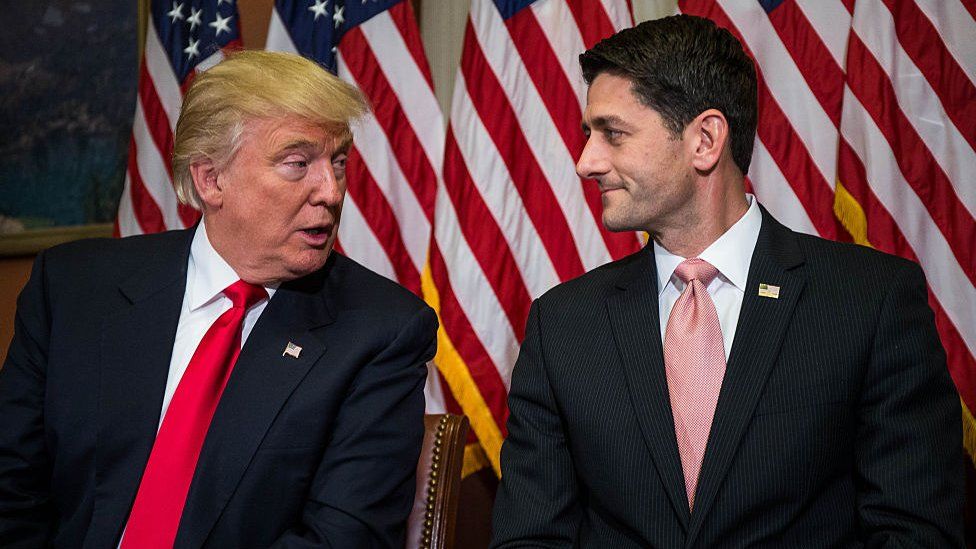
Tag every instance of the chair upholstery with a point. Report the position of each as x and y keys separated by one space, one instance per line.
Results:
x=431 y=522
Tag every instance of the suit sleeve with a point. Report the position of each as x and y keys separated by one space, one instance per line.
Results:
x=25 y=468
x=909 y=444
x=537 y=501
x=363 y=489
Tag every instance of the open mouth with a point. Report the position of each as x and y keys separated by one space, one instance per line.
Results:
x=316 y=236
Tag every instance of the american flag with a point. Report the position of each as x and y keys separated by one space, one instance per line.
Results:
x=512 y=218
x=182 y=37
x=867 y=111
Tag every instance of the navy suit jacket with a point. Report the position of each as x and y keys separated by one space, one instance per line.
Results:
x=837 y=424
x=318 y=450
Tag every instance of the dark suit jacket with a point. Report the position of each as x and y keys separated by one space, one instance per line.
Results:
x=318 y=450
x=837 y=424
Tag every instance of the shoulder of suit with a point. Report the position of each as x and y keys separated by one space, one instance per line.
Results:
x=846 y=258
x=115 y=257
x=365 y=287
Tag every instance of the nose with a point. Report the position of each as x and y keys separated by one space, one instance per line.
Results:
x=592 y=162
x=329 y=187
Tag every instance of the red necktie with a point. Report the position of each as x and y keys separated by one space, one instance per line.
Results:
x=162 y=492
x=694 y=360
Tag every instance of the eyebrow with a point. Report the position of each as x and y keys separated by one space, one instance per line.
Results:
x=604 y=121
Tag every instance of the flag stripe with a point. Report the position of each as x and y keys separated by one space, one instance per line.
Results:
x=462 y=333
x=871 y=85
x=540 y=202
x=955 y=31
x=485 y=239
x=157 y=65
x=832 y=23
x=152 y=172
x=147 y=212
x=779 y=199
x=386 y=50
x=825 y=79
x=485 y=171
x=920 y=102
x=405 y=23
x=370 y=200
x=592 y=21
x=402 y=142
x=357 y=235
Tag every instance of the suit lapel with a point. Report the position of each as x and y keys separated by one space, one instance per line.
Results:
x=634 y=318
x=759 y=336
x=136 y=345
x=262 y=380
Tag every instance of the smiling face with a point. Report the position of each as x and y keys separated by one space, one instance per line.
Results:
x=643 y=171
x=273 y=211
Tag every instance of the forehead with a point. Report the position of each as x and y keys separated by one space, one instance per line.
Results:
x=273 y=134
x=611 y=95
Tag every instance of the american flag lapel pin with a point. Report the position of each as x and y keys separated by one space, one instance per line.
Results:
x=292 y=350
x=768 y=290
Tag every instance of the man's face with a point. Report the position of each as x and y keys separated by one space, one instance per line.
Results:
x=281 y=196
x=643 y=172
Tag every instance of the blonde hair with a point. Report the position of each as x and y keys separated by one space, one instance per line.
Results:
x=250 y=85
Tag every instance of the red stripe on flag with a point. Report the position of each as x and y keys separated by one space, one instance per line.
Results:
x=403 y=138
x=486 y=240
x=406 y=22
x=495 y=111
x=824 y=77
x=378 y=214
x=593 y=22
x=146 y=211
x=868 y=81
x=469 y=347
x=923 y=44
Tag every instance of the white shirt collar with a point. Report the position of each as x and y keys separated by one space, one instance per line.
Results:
x=207 y=273
x=731 y=253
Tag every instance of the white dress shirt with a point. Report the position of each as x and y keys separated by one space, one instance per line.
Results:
x=207 y=274
x=731 y=254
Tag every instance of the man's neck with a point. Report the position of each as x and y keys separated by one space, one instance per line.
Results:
x=718 y=209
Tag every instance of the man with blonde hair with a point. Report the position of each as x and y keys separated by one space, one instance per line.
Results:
x=236 y=384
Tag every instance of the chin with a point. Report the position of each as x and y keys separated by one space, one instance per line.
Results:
x=305 y=264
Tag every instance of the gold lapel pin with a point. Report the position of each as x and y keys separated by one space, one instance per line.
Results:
x=292 y=350
x=768 y=290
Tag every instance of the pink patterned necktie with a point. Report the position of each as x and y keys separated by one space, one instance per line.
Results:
x=155 y=515
x=694 y=360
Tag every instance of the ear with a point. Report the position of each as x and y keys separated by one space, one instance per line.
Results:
x=710 y=134
x=204 y=175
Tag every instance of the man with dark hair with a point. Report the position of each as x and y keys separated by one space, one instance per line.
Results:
x=734 y=383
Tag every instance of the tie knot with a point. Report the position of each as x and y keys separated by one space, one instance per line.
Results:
x=243 y=294
x=696 y=269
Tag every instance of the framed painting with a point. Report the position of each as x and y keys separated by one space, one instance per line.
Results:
x=68 y=74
